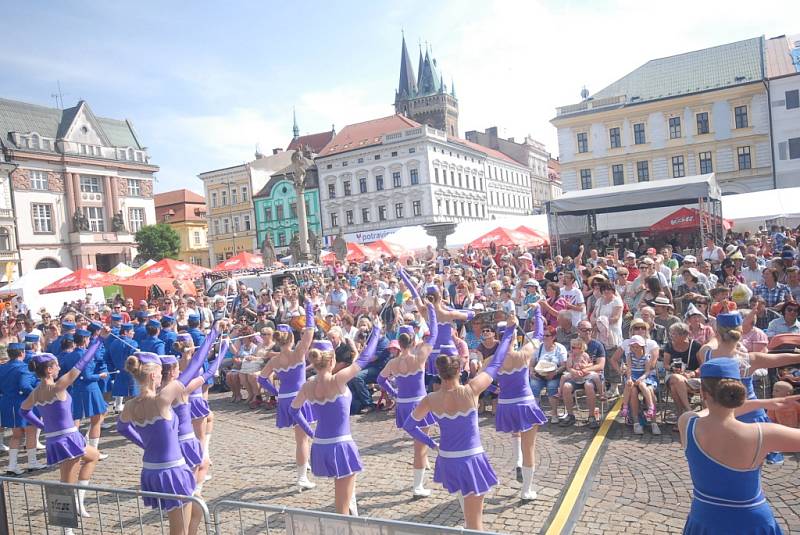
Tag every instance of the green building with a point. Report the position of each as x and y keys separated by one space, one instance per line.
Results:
x=276 y=208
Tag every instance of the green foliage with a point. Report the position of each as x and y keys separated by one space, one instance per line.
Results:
x=158 y=242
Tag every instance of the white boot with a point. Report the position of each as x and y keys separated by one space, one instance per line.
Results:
x=13 y=468
x=461 y=503
x=527 y=492
x=3 y=446
x=118 y=404
x=81 y=497
x=39 y=445
x=419 y=483
x=95 y=443
x=353 y=504
x=33 y=463
x=517 y=448
x=302 y=478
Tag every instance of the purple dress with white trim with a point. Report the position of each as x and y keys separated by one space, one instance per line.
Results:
x=190 y=446
x=291 y=378
x=517 y=410
x=63 y=441
x=462 y=466
x=163 y=467
x=410 y=391
x=333 y=452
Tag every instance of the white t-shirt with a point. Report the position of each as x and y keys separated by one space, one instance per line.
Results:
x=603 y=309
x=753 y=275
x=574 y=296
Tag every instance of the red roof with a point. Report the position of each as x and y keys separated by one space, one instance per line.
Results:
x=366 y=134
x=179 y=205
x=178 y=196
x=315 y=142
x=496 y=154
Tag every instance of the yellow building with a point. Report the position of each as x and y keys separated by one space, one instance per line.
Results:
x=185 y=211
x=705 y=111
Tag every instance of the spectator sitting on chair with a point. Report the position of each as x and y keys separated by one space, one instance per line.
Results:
x=682 y=361
x=764 y=315
x=787 y=323
x=362 y=397
x=772 y=291
x=565 y=332
x=656 y=332
x=699 y=330
x=665 y=313
x=594 y=373
x=789 y=417
x=548 y=364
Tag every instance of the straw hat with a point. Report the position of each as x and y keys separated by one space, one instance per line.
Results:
x=544 y=366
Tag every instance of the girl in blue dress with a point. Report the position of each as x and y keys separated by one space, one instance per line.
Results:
x=87 y=397
x=725 y=457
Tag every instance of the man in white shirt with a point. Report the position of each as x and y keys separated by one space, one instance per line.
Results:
x=574 y=297
x=751 y=271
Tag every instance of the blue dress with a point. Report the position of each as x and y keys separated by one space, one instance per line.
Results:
x=124 y=383
x=726 y=500
x=16 y=383
x=87 y=399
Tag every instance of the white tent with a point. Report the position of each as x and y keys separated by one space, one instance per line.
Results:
x=28 y=286
x=751 y=210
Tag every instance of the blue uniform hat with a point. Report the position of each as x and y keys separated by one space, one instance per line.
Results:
x=116 y=317
x=154 y=324
x=167 y=320
x=31 y=337
x=141 y=315
x=729 y=320
x=83 y=332
x=168 y=359
x=126 y=327
x=95 y=326
x=68 y=336
x=722 y=368
x=147 y=358
x=68 y=325
x=16 y=345
x=283 y=328
x=322 y=345
x=194 y=317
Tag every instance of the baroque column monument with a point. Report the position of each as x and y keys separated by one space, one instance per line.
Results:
x=301 y=161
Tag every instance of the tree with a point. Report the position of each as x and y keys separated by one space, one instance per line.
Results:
x=158 y=242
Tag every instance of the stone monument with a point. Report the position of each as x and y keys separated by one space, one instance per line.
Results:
x=301 y=161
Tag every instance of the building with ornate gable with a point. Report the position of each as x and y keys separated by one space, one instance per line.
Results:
x=81 y=185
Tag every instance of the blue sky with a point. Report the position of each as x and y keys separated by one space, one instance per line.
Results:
x=205 y=82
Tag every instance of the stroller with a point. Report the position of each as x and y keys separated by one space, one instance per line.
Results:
x=785 y=343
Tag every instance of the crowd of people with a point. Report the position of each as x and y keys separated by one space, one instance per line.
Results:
x=439 y=340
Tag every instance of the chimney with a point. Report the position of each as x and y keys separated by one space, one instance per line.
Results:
x=492 y=133
x=276 y=151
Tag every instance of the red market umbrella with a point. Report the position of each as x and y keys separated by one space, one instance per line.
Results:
x=683 y=219
x=537 y=239
x=355 y=253
x=170 y=269
x=382 y=247
x=240 y=262
x=501 y=236
x=80 y=280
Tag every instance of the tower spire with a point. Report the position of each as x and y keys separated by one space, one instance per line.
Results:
x=407 y=87
x=295 y=129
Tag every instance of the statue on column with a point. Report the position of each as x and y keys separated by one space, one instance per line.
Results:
x=301 y=161
x=117 y=222
x=79 y=221
x=340 y=247
x=268 y=251
x=314 y=246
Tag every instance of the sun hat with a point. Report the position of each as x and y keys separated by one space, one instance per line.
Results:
x=544 y=366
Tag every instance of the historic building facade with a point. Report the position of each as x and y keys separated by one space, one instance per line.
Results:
x=81 y=185
x=783 y=72
x=185 y=211
x=695 y=113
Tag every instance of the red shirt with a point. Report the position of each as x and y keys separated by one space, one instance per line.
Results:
x=633 y=272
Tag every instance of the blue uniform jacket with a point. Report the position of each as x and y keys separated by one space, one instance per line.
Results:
x=169 y=338
x=16 y=383
x=140 y=332
x=152 y=344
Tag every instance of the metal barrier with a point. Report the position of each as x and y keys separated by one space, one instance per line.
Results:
x=250 y=518
x=34 y=507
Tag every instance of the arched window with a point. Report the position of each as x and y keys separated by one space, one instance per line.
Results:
x=5 y=240
x=45 y=263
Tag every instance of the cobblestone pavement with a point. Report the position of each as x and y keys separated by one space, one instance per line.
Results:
x=642 y=485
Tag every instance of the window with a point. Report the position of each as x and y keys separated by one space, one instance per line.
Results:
x=702 y=123
x=334 y=220
x=361 y=160
x=447 y=207
x=743 y=155
x=396 y=180
x=134 y=188
x=39 y=180
x=414 y=174
x=453 y=178
x=136 y=222
x=379 y=183
x=678 y=167
x=362 y=184
x=705 y=163
x=347 y=190
x=394 y=153
x=226 y=224
x=5 y=239
x=416 y=207
x=216 y=226
x=281 y=239
x=460 y=185
x=586 y=179
x=583 y=142
x=377 y=156
x=674 y=127
x=329 y=166
x=279 y=212
x=398 y=210
x=740 y=115
x=614 y=138
x=213 y=200
x=412 y=150
x=45 y=263
x=90 y=184
x=793 y=99
x=246 y=221
x=344 y=164
x=236 y=227
x=331 y=191
x=268 y=213
x=95 y=216
x=293 y=210
x=794 y=148
x=382 y=212
x=638 y=134
x=224 y=197
x=244 y=194
x=642 y=171
x=349 y=217
x=234 y=196
x=365 y=215
x=436 y=174
x=617 y=174
x=196 y=236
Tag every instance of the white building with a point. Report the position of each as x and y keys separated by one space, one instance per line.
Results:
x=783 y=71
x=82 y=185
x=381 y=175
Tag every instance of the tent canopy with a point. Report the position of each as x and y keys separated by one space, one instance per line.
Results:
x=79 y=280
x=168 y=268
x=760 y=206
x=639 y=195
x=240 y=262
x=682 y=219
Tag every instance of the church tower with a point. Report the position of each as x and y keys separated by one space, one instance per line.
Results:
x=424 y=98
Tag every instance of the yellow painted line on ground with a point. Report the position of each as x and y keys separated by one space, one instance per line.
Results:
x=571 y=496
